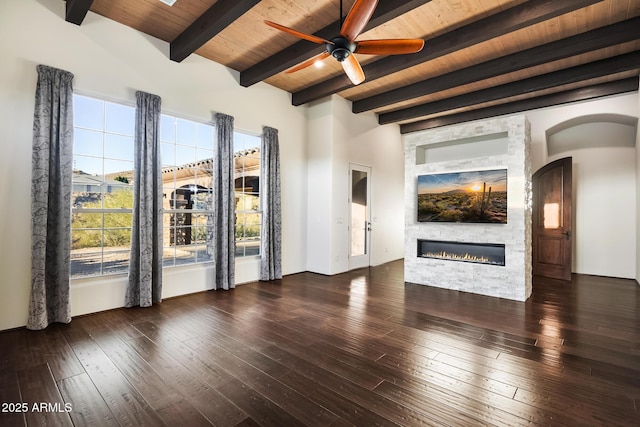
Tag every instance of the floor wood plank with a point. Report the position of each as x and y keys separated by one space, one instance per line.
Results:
x=261 y=409
x=88 y=407
x=39 y=390
x=356 y=349
x=259 y=372
x=122 y=398
x=182 y=413
x=12 y=413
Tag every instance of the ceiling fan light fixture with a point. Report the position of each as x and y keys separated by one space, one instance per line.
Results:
x=340 y=48
x=343 y=46
x=340 y=54
x=169 y=2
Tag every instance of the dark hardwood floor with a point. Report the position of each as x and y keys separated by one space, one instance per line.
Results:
x=360 y=348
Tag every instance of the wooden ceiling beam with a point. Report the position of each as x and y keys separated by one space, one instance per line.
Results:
x=599 y=38
x=76 y=10
x=582 y=94
x=218 y=17
x=303 y=50
x=592 y=70
x=499 y=24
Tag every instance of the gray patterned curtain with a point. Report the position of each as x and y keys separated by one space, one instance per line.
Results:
x=271 y=256
x=145 y=262
x=52 y=168
x=224 y=205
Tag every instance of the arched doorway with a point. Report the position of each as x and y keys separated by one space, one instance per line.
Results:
x=604 y=220
x=552 y=220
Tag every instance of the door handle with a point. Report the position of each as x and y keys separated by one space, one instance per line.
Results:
x=567 y=234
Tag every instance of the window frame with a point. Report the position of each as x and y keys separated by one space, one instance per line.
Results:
x=104 y=185
x=194 y=212
x=260 y=209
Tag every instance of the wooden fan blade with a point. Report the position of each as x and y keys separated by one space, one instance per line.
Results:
x=352 y=68
x=307 y=63
x=298 y=34
x=357 y=18
x=389 y=46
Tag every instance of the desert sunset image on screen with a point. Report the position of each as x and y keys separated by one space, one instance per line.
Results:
x=476 y=196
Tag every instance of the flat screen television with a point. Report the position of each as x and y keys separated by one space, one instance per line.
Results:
x=476 y=196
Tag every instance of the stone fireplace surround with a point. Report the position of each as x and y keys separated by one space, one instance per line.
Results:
x=489 y=144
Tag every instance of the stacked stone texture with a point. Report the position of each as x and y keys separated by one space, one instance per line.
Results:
x=512 y=281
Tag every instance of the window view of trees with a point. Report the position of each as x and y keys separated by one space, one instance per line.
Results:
x=117 y=225
x=103 y=176
x=102 y=196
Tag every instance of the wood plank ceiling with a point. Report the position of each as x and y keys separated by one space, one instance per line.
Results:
x=481 y=57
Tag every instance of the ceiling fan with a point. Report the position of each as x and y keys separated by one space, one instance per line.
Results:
x=344 y=45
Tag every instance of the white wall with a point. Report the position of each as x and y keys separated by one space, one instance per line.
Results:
x=113 y=61
x=604 y=223
x=338 y=138
x=545 y=118
x=361 y=140
x=319 y=200
x=605 y=189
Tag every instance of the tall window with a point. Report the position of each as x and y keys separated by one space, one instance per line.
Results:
x=102 y=197
x=247 y=193
x=187 y=181
x=103 y=175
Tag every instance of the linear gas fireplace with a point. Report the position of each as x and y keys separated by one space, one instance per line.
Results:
x=479 y=253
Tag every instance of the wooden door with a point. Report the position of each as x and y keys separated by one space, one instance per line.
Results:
x=552 y=220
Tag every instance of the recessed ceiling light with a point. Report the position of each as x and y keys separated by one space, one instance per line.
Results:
x=169 y=2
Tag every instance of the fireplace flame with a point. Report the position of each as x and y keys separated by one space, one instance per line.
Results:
x=458 y=257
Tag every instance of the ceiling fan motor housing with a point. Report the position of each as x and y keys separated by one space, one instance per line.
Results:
x=341 y=48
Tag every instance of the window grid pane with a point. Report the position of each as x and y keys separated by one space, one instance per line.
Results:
x=102 y=198
x=247 y=194
x=187 y=190
x=102 y=195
